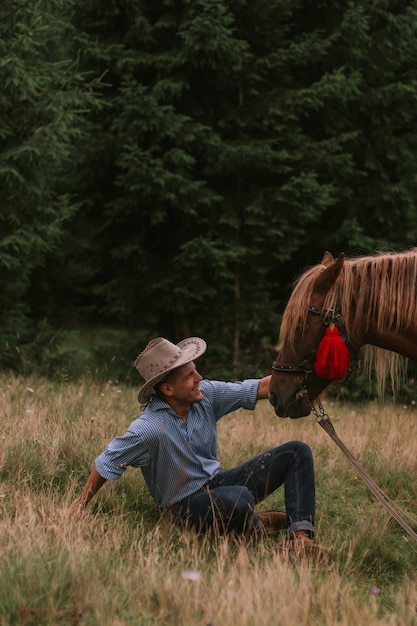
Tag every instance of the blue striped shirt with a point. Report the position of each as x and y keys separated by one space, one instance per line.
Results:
x=177 y=458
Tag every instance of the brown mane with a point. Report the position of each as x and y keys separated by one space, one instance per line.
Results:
x=387 y=299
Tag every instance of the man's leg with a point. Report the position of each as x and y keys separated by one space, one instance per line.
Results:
x=291 y=465
x=220 y=509
x=228 y=504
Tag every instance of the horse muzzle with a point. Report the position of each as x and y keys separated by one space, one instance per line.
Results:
x=298 y=406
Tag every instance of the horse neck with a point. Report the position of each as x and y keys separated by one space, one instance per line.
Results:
x=401 y=341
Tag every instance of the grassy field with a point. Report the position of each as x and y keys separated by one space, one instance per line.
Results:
x=120 y=565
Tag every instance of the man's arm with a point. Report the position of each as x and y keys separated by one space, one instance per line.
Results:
x=263 y=388
x=93 y=484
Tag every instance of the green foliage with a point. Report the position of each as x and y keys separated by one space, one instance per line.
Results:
x=244 y=141
x=42 y=103
x=231 y=144
x=373 y=47
x=207 y=191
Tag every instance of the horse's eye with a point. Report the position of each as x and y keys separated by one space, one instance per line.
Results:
x=302 y=330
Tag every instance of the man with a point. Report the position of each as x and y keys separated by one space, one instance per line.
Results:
x=174 y=442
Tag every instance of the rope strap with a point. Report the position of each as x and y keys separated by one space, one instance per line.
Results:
x=324 y=420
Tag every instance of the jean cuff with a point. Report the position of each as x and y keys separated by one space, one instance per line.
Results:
x=303 y=525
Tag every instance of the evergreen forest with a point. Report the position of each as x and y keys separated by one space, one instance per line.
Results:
x=168 y=167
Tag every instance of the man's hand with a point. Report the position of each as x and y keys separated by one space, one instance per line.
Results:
x=93 y=484
x=263 y=388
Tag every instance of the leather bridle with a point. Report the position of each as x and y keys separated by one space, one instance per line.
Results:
x=306 y=367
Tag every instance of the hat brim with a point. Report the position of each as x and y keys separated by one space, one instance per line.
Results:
x=191 y=349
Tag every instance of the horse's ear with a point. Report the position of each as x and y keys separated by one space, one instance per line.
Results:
x=327 y=277
x=327 y=258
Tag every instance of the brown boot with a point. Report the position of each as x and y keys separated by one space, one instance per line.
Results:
x=299 y=545
x=272 y=521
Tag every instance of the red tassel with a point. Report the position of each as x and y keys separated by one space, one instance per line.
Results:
x=332 y=360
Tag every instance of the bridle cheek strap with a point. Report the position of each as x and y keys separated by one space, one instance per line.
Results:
x=329 y=357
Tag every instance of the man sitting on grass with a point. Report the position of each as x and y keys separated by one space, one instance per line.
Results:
x=174 y=442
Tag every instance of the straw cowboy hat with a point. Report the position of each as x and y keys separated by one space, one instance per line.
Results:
x=161 y=357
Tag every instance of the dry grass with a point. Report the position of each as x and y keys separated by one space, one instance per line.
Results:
x=119 y=565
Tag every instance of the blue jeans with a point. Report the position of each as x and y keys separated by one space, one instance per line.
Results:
x=227 y=502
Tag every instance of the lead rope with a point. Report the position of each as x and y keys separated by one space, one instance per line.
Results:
x=324 y=420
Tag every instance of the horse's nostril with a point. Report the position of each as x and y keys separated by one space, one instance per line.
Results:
x=272 y=398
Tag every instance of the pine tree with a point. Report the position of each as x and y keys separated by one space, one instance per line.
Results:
x=239 y=139
x=360 y=111
x=41 y=105
x=208 y=196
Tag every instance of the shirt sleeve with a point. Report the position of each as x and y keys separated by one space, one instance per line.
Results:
x=227 y=397
x=128 y=449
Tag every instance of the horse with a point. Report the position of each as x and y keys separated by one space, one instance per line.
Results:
x=372 y=302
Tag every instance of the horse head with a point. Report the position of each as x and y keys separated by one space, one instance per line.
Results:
x=294 y=382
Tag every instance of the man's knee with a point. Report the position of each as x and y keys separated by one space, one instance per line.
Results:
x=298 y=449
x=304 y=450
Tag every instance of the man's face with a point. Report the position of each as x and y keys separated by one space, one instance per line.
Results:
x=183 y=384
